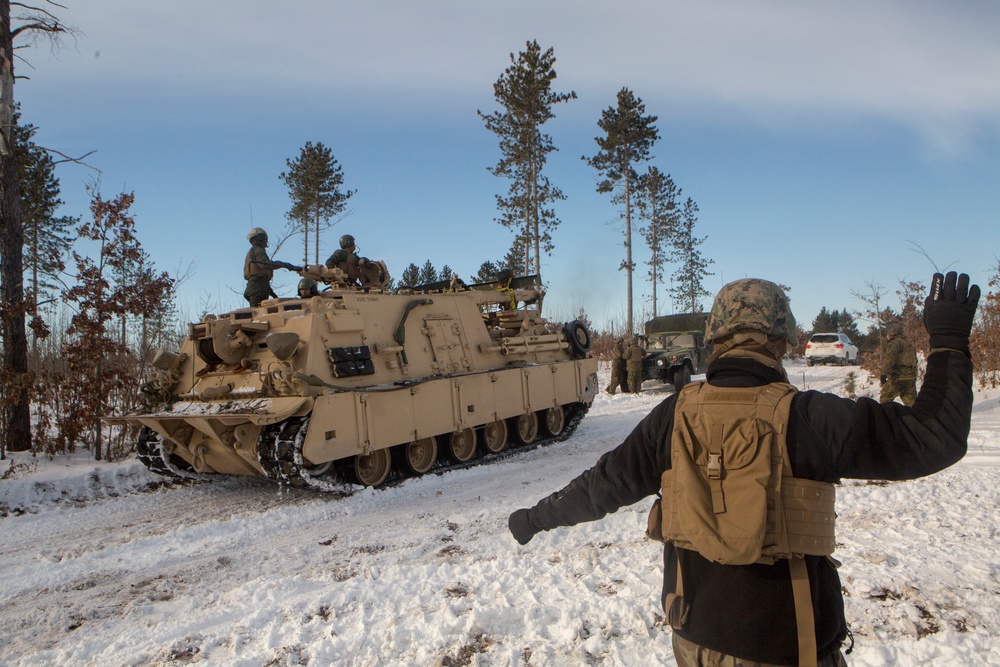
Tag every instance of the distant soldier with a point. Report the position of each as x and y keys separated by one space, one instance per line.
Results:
x=618 y=377
x=346 y=259
x=899 y=367
x=308 y=288
x=633 y=358
x=258 y=276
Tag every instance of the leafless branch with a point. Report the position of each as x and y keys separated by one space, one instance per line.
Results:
x=40 y=10
x=919 y=249
x=75 y=160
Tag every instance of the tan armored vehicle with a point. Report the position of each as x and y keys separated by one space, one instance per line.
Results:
x=355 y=384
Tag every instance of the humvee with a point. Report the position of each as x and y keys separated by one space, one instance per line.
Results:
x=675 y=348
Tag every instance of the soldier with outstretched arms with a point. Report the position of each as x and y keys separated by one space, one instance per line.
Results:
x=746 y=466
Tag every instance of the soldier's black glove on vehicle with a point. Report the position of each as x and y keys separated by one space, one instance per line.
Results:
x=949 y=311
x=520 y=526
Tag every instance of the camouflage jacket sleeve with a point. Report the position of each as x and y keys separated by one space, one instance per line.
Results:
x=834 y=437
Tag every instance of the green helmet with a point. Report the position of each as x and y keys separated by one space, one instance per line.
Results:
x=346 y=241
x=307 y=288
x=751 y=304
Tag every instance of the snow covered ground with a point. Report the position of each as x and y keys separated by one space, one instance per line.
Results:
x=105 y=565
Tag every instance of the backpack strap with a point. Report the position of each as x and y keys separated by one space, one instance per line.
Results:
x=674 y=606
x=805 y=623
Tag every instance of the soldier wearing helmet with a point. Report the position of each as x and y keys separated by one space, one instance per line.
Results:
x=898 y=370
x=308 y=288
x=693 y=446
x=258 y=275
x=346 y=259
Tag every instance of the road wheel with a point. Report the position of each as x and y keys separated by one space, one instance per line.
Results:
x=682 y=376
x=372 y=469
x=419 y=456
x=526 y=428
x=462 y=445
x=495 y=436
x=555 y=420
x=809 y=362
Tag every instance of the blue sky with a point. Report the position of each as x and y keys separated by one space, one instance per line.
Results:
x=821 y=141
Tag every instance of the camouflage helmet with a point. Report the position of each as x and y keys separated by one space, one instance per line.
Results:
x=751 y=304
x=308 y=288
x=346 y=241
x=255 y=232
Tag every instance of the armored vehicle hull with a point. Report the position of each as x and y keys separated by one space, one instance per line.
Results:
x=355 y=386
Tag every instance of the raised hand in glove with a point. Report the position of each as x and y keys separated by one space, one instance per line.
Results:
x=949 y=311
x=520 y=526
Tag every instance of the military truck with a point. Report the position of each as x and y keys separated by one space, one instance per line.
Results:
x=675 y=348
x=358 y=384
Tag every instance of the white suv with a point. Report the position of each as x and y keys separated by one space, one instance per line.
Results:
x=831 y=347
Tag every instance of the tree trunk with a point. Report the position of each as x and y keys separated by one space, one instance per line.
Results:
x=628 y=249
x=316 y=240
x=536 y=232
x=16 y=419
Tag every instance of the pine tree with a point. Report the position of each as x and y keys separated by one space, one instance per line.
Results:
x=487 y=273
x=825 y=322
x=428 y=274
x=411 y=276
x=314 y=181
x=656 y=203
x=689 y=278
x=629 y=136
x=847 y=325
x=47 y=238
x=524 y=92
x=446 y=273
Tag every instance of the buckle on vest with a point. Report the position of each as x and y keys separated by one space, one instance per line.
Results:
x=714 y=465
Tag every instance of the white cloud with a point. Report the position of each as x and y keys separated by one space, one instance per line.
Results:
x=930 y=66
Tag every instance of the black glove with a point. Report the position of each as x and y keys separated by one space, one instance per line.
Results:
x=882 y=379
x=949 y=311
x=520 y=526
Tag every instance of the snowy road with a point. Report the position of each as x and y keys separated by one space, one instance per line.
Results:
x=97 y=572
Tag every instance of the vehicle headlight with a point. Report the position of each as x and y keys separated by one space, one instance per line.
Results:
x=659 y=362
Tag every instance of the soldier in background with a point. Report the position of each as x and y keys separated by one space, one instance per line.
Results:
x=308 y=288
x=633 y=358
x=258 y=275
x=618 y=377
x=346 y=259
x=899 y=367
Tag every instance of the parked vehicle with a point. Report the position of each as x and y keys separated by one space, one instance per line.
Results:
x=675 y=348
x=833 y=348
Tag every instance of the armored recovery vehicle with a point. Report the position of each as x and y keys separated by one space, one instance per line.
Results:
x=356 y=383
x=675 y=348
